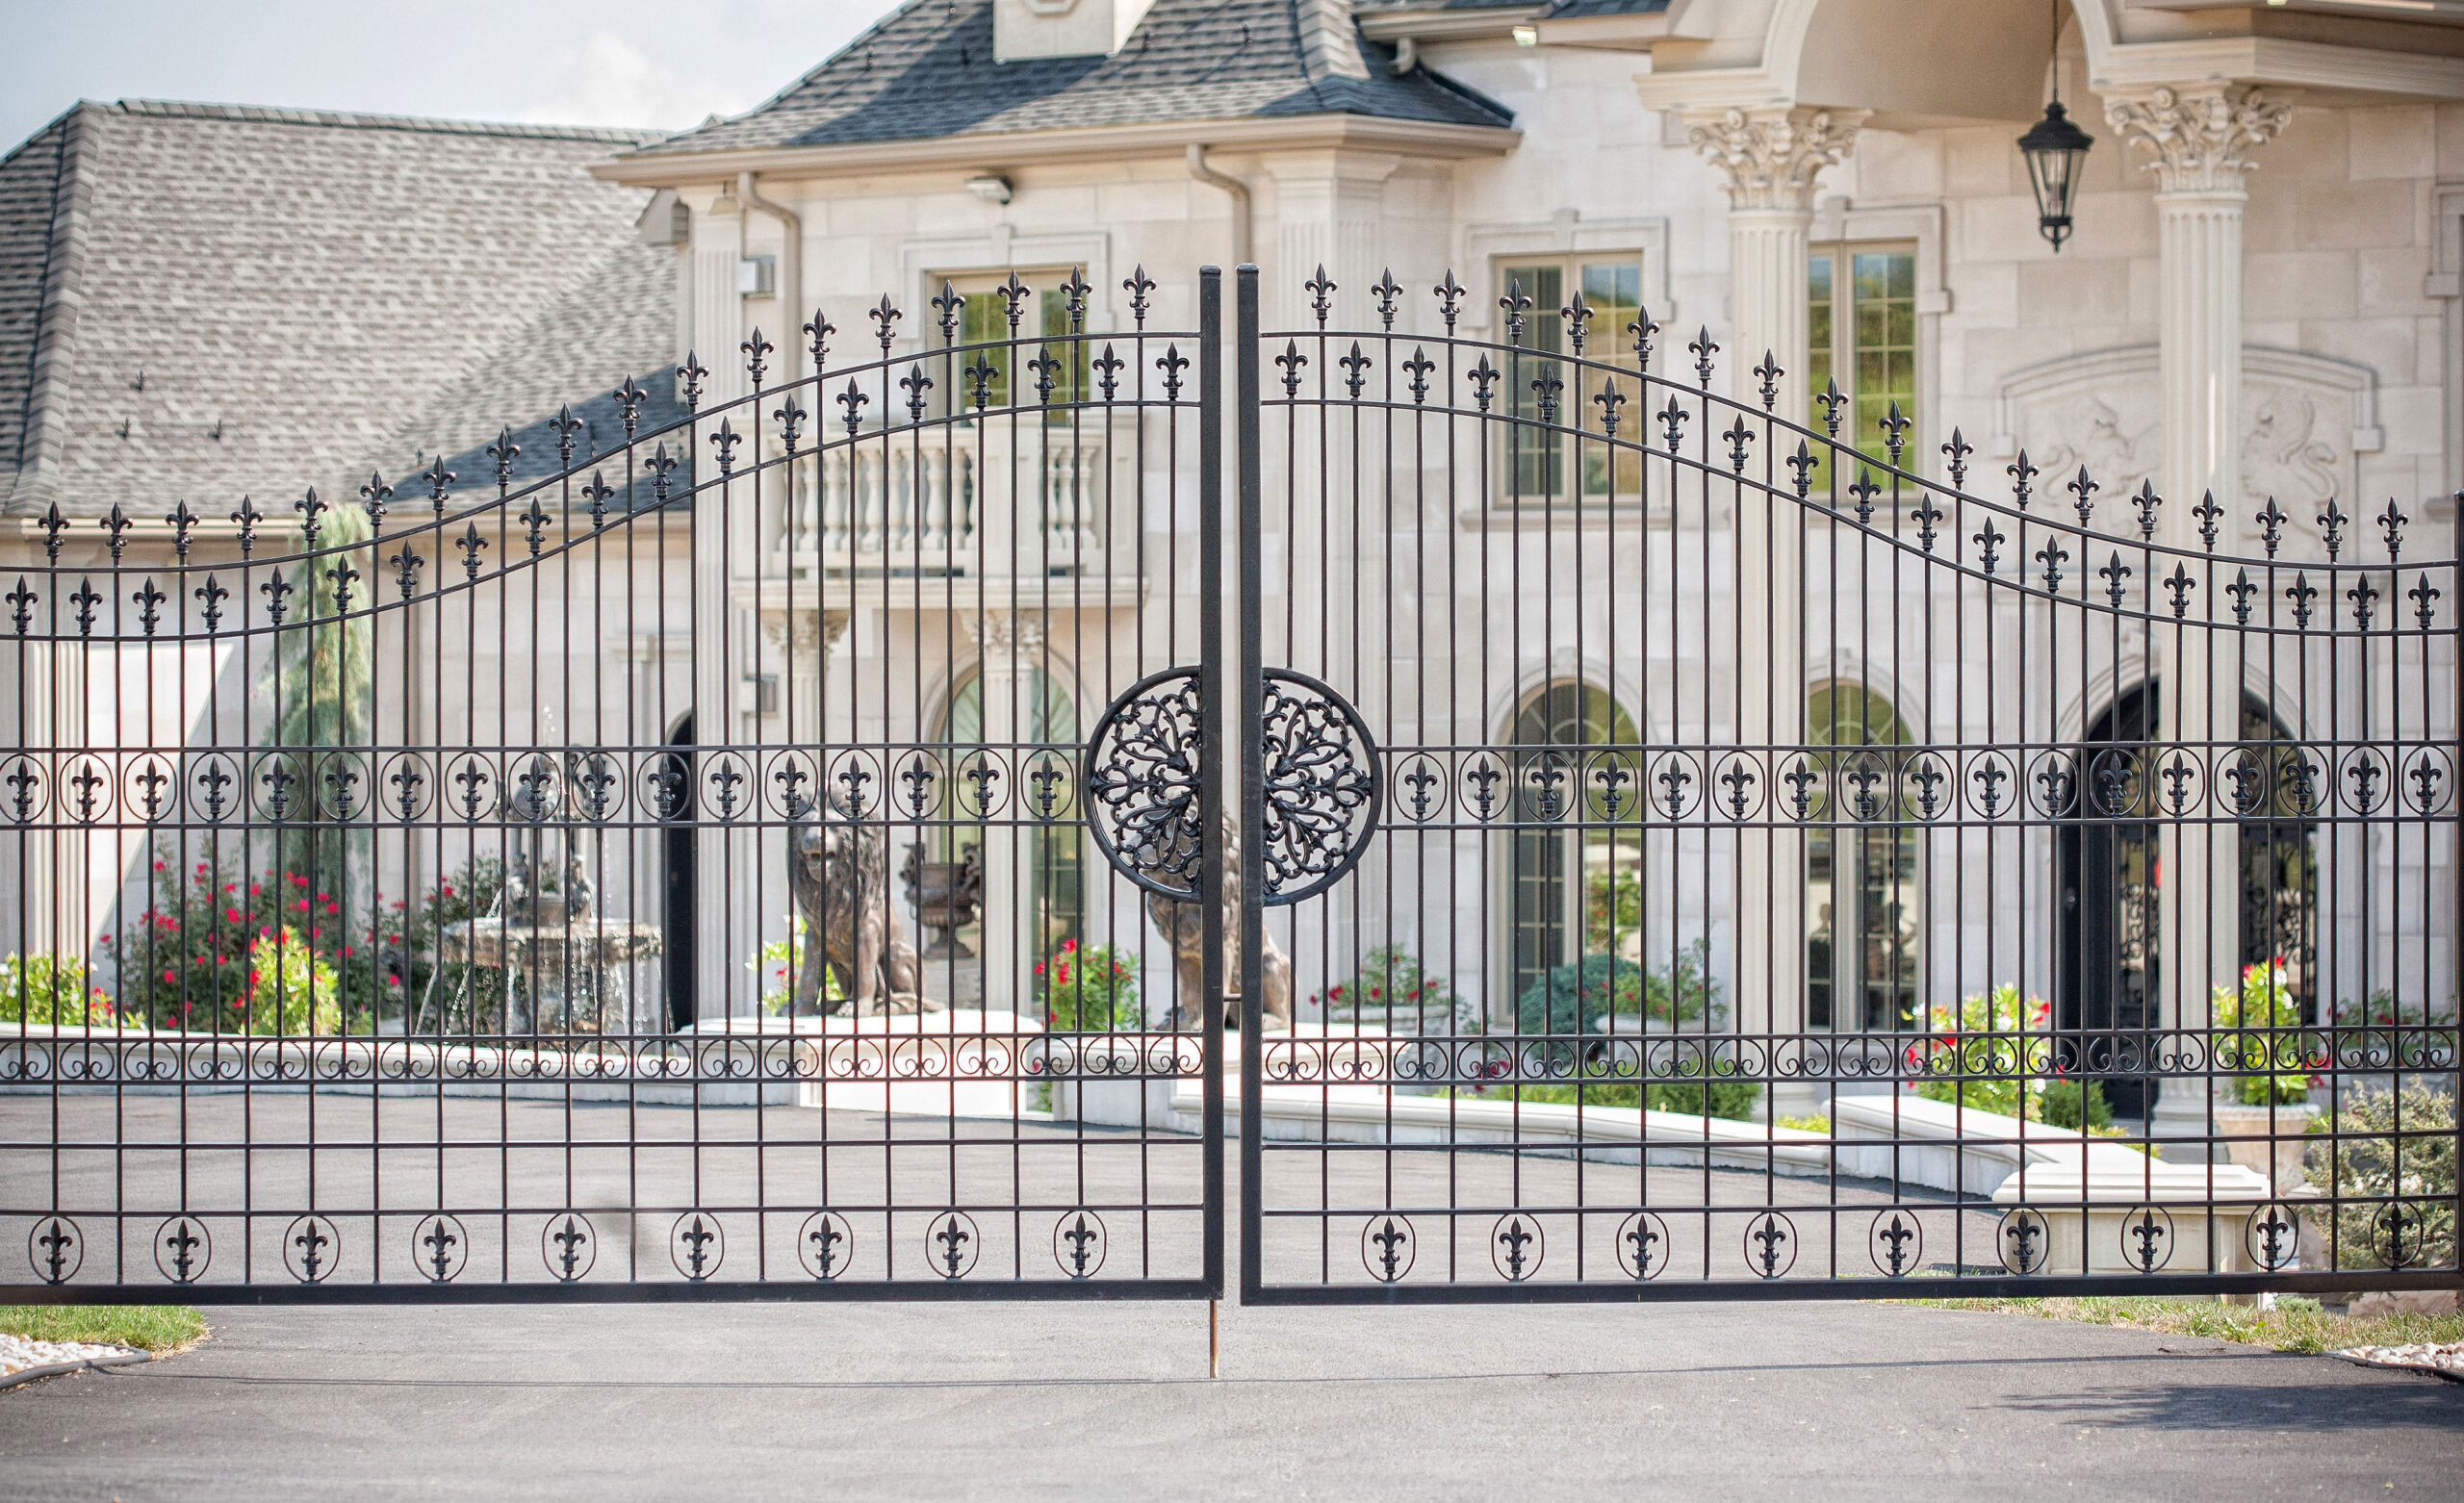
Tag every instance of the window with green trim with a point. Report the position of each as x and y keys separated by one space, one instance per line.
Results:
x=1042 y=315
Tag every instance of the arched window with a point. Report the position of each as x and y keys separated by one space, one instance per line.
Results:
x=1056 y=872
x=1861 y=868
x=1576 y=889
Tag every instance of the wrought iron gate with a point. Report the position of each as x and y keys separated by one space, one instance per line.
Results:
x=798 y=835
x=1763 y=856
x=657 y=872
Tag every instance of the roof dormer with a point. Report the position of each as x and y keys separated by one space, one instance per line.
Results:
x=1025 y=29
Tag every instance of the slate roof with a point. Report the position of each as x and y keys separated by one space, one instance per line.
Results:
x=202 y=302
x=927 y=70
x=1562 y=10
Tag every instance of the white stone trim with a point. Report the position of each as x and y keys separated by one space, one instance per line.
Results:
x=922 y=264
x=2446 y=283
x=1564 y=234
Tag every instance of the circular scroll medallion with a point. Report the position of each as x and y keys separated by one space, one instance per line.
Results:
x=1324 y=786
x=1142 y=771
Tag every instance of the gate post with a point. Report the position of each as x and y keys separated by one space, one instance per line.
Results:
x=1253 y=810
x=1212 y=685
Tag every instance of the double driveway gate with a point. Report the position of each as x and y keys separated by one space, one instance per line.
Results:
x=873 y=820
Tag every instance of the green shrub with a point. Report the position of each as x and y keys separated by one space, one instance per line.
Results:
x=1734 y=1100
x=2060 y=1105
x=2274 y=1070
x=2398 y=1145
x=292 y=988
x=45 y=989
x=1090 y=991
x=1571 y=999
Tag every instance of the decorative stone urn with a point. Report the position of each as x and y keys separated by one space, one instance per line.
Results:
x=946 y=896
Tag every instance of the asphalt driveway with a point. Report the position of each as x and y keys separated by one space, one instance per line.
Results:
x=1112 y=1402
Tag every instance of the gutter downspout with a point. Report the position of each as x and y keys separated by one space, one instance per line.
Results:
x=790 y=340
x=1243 y=254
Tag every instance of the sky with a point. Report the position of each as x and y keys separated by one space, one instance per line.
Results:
x=656 y=62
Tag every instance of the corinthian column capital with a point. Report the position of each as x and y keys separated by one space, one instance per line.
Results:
x=1771 y=156
x=2201 y=133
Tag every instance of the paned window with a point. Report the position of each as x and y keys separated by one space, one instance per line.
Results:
x=1541 y=465
x=1578 y=888
x=1863 y=334
x=984 y=320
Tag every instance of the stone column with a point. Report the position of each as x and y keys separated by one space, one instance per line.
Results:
x=2201 y=135
x=803 y=636
x=1771 y=158
x=1010 y=647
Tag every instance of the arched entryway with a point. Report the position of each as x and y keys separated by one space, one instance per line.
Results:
x=2108 y=945
x=1860 y=867
x=1573 y=890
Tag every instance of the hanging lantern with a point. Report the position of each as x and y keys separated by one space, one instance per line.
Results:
x=2055 y=149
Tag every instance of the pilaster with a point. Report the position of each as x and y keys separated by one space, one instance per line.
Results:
x=2200 y=137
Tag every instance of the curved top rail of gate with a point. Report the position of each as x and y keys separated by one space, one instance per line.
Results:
x=1623 y=405
x=1060 y=379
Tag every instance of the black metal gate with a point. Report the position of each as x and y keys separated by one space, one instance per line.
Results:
x=1703 y=856
x=799 y=836
x=648 y=859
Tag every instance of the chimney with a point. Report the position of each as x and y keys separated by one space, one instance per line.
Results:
x=1025 y=29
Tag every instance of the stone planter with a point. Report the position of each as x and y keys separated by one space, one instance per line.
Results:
x=2269 y=1140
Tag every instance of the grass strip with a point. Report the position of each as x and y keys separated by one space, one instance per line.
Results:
x=150 y=1328
x=2295 y=1324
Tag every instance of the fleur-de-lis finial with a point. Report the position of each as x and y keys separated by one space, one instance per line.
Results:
x=1321 y=294
x=817 y=332
x=118 y=523
x=247 y=518
x=756 y=351
x=180 y=520
x=2084 y=489
x=1388 y=290
x=1608 y=398
x=565 y=425
x=1831 y=399
x=1141 y=288
x=1577 y=314
x=1515 y=306
x=2271 y=526
x=691 y=376
x=504 y=450
x=2021 y=473
x=2390 y=523
x=1703 y=349
x=885 y=319
x=2209 y=514
x=2147 y=503
x=2331 y=528
x=373 y=496
x=1956 y=453
x=1766 y=377
x=950 y=305
x=628 y=404
x=310 y=508
x=1449 y=299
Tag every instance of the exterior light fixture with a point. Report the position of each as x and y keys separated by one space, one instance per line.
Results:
x=1527 y=36
x=991 y=187
x=2054 y=147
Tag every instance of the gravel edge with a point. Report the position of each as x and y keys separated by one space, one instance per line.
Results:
x=55 y=1369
